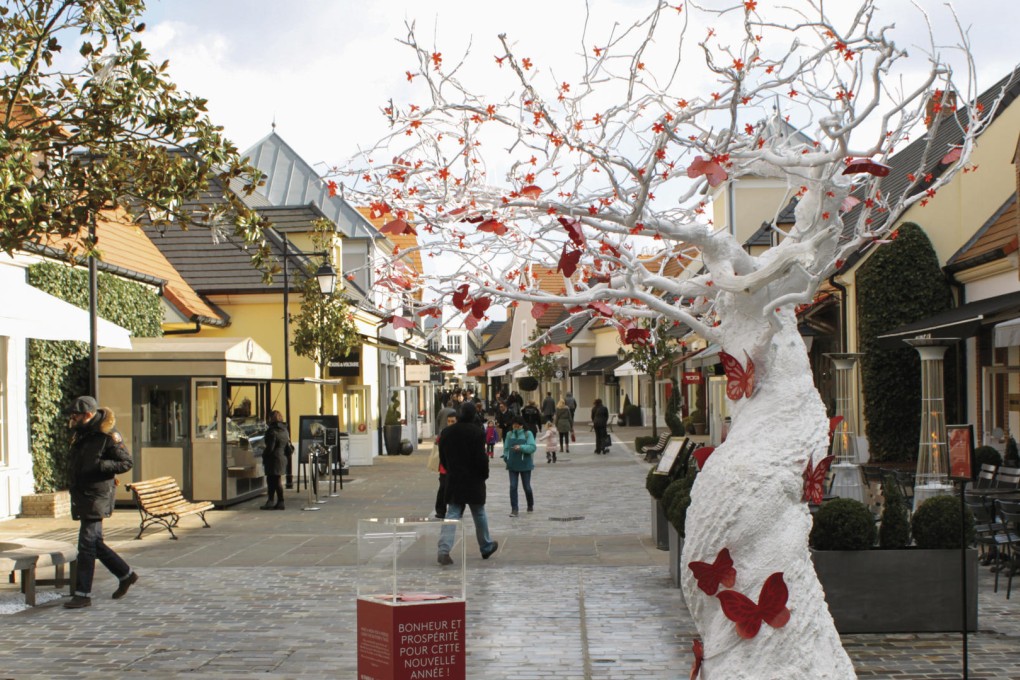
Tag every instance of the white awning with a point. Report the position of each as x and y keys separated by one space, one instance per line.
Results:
x=1007 y=333
x=28 y=312
x=505 y=369
x=627 y=370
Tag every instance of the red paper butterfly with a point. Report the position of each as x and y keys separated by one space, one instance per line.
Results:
x=710 y=168
x=701 y=455
x=739 y=382
x=748 y=616
x=834 y=423
x=531 y=191
x=711 y=576
x=860 y=165
x=814 y=480
x=538 y=309
x=699 y=658
x=568 y=261
x=550 y=348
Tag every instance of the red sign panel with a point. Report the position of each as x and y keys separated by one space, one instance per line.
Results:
x=693 y=378
x=403 y=641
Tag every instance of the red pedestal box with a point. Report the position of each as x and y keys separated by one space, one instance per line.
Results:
x=411 y=640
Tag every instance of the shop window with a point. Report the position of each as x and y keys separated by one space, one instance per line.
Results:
x=207 y=408
x=164 y=414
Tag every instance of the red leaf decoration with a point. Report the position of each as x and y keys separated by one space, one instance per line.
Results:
x=952 y=156
x=602 y=308
x=493 y=227
x=638 y=336
x=814 y=480
x=711 y=576
x=748 y=616
x=538 y=309
x=435 y=312
x=398 y=321
x=470 y=322
x=739 y=381
x=479 y=306
x=865 y=165
x=550 y=348
x=397 y=227
x=848 y=203
x=701 y=455
x=834 y=423
x=712 y=170
x=531 y=191
x=699 y=658
x=568 y=261
x=574 y=231
x=460 y=299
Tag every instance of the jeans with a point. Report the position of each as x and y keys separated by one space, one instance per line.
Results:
x=90 y=547
x=525 y=476
x=478 y=516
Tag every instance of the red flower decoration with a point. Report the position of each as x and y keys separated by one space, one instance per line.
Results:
x=711 y=576
x=739 y=381
x=771 y=607
x=814 y=480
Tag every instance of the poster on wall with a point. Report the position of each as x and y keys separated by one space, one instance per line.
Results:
x=961 y=446
x=312 y=430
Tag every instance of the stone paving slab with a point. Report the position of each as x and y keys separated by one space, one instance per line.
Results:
x=577 y=591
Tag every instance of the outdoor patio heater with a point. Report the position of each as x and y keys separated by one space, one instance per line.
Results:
x=847 y=481
x=932 y=477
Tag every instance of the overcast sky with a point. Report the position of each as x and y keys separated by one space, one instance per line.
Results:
x=322 y=69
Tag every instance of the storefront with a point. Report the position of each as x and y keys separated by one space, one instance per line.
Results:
x=198 y=410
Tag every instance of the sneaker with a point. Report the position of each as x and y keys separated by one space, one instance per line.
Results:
x=514 y=513
x=125 y=583
x=77 y=602
x=495 y=547
x=444 y=559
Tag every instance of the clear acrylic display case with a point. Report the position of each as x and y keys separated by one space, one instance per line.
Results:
x=397 y=560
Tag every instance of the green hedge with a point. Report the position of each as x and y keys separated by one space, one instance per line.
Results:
x=902 y=282
x=58 y=371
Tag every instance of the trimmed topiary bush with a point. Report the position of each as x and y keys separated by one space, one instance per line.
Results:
x=985 y=455
x=936 y=524
x=680 y=499
x=656 y=484
x=894 y=533
x=843 y=524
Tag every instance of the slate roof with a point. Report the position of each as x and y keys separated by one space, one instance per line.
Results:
x=907 y=160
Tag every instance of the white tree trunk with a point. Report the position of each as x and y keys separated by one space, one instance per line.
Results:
x=748 y=499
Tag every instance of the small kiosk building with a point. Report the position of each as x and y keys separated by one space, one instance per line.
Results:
x=197 y=410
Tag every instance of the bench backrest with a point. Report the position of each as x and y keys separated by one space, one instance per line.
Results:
x=156 y=491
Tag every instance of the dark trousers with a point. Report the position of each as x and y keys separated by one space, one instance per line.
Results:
x=564 y=441
x=601 y=438
x=275 y=487
x=91 y=547
x=441 y=498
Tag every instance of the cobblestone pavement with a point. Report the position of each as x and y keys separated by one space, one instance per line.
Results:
x=577 y=590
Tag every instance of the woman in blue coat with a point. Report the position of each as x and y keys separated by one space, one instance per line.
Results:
x=519 y=454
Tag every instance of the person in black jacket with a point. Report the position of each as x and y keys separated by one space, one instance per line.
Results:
x=274 y=459
x=97 y=455
x=600 y=421
x=462 y=455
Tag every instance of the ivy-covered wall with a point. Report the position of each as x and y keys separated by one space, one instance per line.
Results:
x=58 y=371
x=901 y=283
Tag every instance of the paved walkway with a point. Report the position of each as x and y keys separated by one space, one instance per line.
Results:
x=577 y=590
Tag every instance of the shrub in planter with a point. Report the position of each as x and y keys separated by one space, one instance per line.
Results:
x=986 y=455
x=1012 y=455
x=895 y=530
x=391 y=429
x=672 y=416
x=644 y=441
x=936 y=524
x=633 y=415
x=656 y=484
x=843 y=524
x=680 y=499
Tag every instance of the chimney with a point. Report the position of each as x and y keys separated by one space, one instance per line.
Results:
x=940 y=104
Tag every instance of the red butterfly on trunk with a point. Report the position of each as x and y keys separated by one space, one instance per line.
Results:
x=699 y=658
x=814 y=480
x=711 y=576
x=739 y=382
x=771 y=607
x=701 y=455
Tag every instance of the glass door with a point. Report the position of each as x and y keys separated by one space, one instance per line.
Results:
x=357 y=414
x=207 y=442
x=162 y=432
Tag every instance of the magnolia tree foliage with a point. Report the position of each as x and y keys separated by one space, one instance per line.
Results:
x=88 y=123
x=540 y=361
x=582 y=171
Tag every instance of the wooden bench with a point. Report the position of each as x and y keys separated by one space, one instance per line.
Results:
x=26 y=555
x=652 y=451
x=160 y=501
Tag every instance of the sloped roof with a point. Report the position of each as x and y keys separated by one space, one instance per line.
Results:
x=501 y=338
x=996 y=238
x=288 y=219
x=290 y=180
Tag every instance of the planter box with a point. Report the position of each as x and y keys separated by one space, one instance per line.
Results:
x=897 y=591
x=56 y=505
x=660 y=531
x=676 y=549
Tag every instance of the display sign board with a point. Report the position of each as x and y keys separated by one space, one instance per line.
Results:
x=411 y=640
x=670 y=455
x=313 y=430
x=961 y=446
x=345 y=367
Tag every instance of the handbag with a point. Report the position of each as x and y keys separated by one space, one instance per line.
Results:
x=573 y=437
x=433 y=460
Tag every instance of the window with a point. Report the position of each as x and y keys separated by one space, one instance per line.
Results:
x=164 y=414
x=452 y=344
x=433 y=345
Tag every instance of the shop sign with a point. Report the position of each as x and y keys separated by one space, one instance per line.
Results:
x=693 y=378
x=346 y=367
x=408 y=641
x=416 y=372
x=1014 y=401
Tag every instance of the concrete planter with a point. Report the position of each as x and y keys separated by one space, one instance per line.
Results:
x=676 y=548
x=55 y=505
x=897 y=591
x=660 y=531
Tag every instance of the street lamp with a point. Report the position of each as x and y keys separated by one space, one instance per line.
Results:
x=326 y=277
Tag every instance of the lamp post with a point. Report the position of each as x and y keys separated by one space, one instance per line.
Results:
x=846 y=473
x=932 y=477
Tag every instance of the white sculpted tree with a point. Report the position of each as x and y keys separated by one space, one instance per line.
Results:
x=596 y=169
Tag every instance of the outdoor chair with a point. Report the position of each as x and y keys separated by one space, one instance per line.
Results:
x=1007 y=540
x=1007 y=478
x=986 y=476
x=873 y=487
x=985 y=526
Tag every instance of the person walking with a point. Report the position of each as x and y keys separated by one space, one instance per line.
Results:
x=548 y=438
x=564 y=424
x=491 y=437
x=571 y=403
x=274 y=459
x=519 y=454
x=600 y=422
x=532 y=418
x=462 y=453
x=97 y=455
x=548 y=407
x=441 y=492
